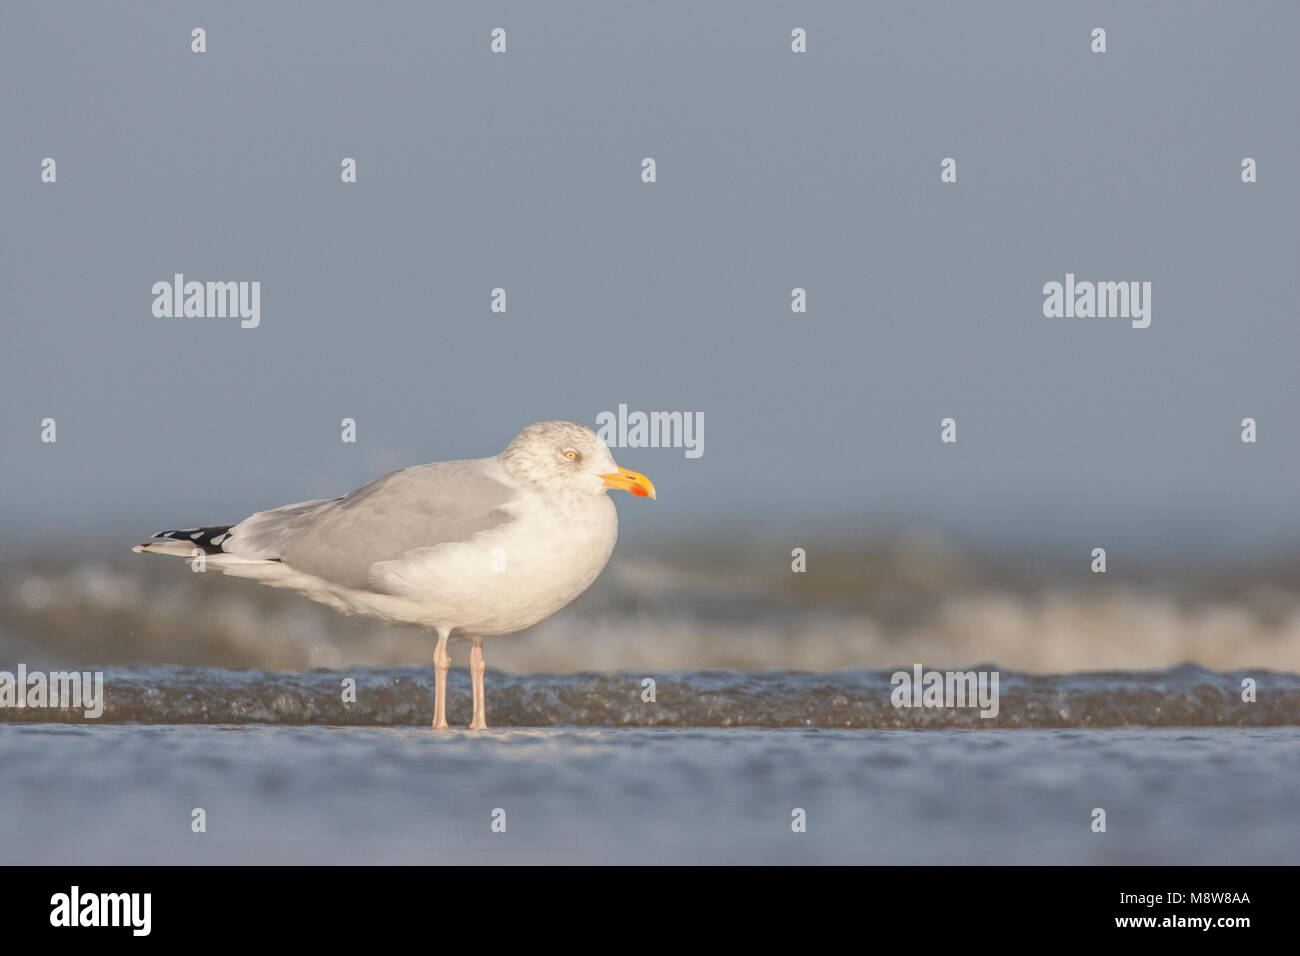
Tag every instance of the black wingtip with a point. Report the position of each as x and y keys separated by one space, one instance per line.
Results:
x=210 y=539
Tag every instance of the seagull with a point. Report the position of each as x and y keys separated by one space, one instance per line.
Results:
x=472 y=549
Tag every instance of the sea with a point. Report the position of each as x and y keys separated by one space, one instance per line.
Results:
x=702 y=713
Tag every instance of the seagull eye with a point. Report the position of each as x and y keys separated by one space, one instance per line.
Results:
x=570 y=454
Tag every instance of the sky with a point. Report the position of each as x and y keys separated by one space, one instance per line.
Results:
x=774 y=170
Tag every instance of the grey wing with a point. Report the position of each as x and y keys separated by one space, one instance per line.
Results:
x=341 y=539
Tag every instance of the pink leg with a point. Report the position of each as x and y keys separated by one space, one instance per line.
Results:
x=476 y=668
x=442 y=664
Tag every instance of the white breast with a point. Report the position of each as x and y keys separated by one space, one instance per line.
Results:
x=510 y=578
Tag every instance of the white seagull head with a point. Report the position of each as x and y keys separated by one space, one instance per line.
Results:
x=568 y=457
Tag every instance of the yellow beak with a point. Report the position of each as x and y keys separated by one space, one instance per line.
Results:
x=628 y=480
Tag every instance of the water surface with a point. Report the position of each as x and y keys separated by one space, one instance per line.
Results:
x=277 y=794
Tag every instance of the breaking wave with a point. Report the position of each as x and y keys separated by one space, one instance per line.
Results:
x=729 y=633
x=737 y=608
x=1186 y=696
